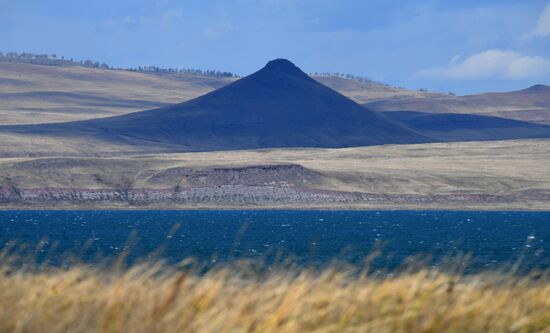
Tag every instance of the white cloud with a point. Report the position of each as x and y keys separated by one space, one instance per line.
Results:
x=215 y=30
x=492 y=64
x=286 y=4
x=169 y=16
x=163 y=20
x=543 y=24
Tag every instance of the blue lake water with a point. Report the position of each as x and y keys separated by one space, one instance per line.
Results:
x=310 y=237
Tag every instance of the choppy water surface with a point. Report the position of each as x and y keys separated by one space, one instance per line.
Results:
x=311 y=237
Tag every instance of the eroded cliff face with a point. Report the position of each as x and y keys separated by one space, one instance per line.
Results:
x=284 y=175
x=257 y=184
x=224 y=195
x=262 y=186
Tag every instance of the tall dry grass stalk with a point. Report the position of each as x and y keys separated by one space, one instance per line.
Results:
x=156 y=298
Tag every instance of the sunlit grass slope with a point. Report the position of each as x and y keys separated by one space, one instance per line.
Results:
x=151 y=298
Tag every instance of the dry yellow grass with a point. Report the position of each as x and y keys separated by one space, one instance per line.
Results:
x=152 y=298
x=41 y=94
x=366 y=92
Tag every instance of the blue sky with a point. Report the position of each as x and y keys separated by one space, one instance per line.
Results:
x=461 y=46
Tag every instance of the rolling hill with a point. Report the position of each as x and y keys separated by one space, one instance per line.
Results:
x=366 y=91
x=32 y=93
x=531 y=104
x=35 y=93
x=278 y=106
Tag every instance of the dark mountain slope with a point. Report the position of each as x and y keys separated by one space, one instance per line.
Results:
x=467 y=127
x=278 y=106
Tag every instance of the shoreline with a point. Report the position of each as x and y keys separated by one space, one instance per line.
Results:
x=26 y=207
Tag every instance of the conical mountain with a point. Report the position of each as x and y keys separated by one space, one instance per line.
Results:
x=277 y=106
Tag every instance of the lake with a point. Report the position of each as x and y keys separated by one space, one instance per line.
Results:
x=307 y=237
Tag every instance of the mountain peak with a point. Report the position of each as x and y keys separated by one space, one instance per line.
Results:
x=284 y=66
x=538 y=88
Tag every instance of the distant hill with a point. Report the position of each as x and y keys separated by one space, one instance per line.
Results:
x=531 y=104
x=278 y=106
x=39 y=89
x=364 y=91
x=36 y=93
x=54 y=60
x=43 y=89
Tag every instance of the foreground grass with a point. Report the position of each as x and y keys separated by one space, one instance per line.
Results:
x=154 y=298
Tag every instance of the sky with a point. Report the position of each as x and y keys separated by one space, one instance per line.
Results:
x=460 y=46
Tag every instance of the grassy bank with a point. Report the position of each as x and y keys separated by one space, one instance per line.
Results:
x=500 y=175
x=153 y=298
